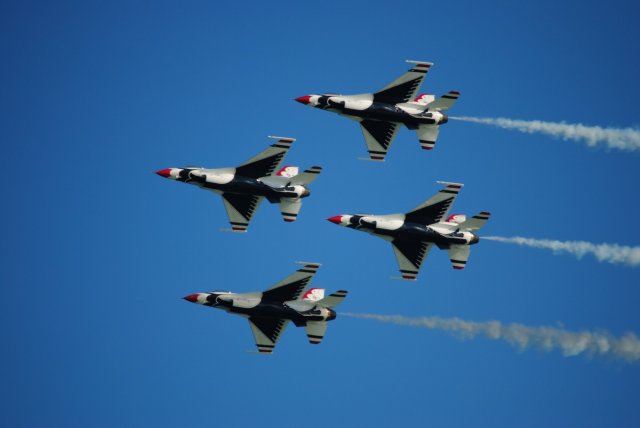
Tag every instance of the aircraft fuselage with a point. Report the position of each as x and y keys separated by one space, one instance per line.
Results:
x=252 y=305
x=375 y=110
x=225 y=181
x=394 y=229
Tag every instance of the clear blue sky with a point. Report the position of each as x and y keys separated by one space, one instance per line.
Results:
x=97 y=250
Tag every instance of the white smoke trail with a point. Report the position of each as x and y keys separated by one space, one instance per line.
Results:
x=626 y=347
x=614 y=138
x=610 y=253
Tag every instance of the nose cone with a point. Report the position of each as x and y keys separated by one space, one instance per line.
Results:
x=303 y=99
x=193 y=298
x=166 y=173
x=336 y=219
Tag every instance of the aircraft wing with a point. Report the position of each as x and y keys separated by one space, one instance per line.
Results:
x=266 y=332
x=405 y=87
x=378 y=136
x=459 y=254
x=410 y=255
x=240 y=209
x=267 y=161
x=436 y=207
x=315 y=331
x=292 y=286
x=428 y=134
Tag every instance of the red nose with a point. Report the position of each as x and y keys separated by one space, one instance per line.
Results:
x=336 y=219
x=164 y=172
x=304 y=99
x=193 y=298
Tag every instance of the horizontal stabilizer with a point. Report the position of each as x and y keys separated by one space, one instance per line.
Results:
x=307 y=176
x=445 y=102
x=476 y=222
x=459 y=254
x=289 y=208
x=333 y=299
x=315 y=331
x=428 y=135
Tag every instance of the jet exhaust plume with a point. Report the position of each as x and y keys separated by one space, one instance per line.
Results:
x=610 y=253
x=570 y=343
x=614 y=138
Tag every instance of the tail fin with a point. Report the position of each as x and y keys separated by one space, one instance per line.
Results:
x=307 y=176
x=424 y=99
x=288 y=171
x=445 y=102
x=476 y=222
x=313 y=294
x=334 y=299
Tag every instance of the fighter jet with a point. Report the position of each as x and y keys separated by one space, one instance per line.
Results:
x=413 y=234
x=243 y=188
x=380 y=114
x=270 y=311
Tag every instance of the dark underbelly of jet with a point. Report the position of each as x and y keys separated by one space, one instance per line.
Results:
x=277 y=311
x=389 y=113
x=250 y=186
x=419 y=233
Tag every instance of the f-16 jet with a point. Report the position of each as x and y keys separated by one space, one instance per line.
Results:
x=413 y=234
x=244 y=187
x=270 y=311
x=380 y=114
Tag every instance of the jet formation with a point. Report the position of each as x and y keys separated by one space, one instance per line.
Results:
x=414 y=233
x=381 y=113
x=244 y=187
x=270 y=311
x=411 y=234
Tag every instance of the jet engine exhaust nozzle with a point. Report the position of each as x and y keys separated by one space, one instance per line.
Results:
x=332 y=314
x=474 y=240
x=445 y=118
